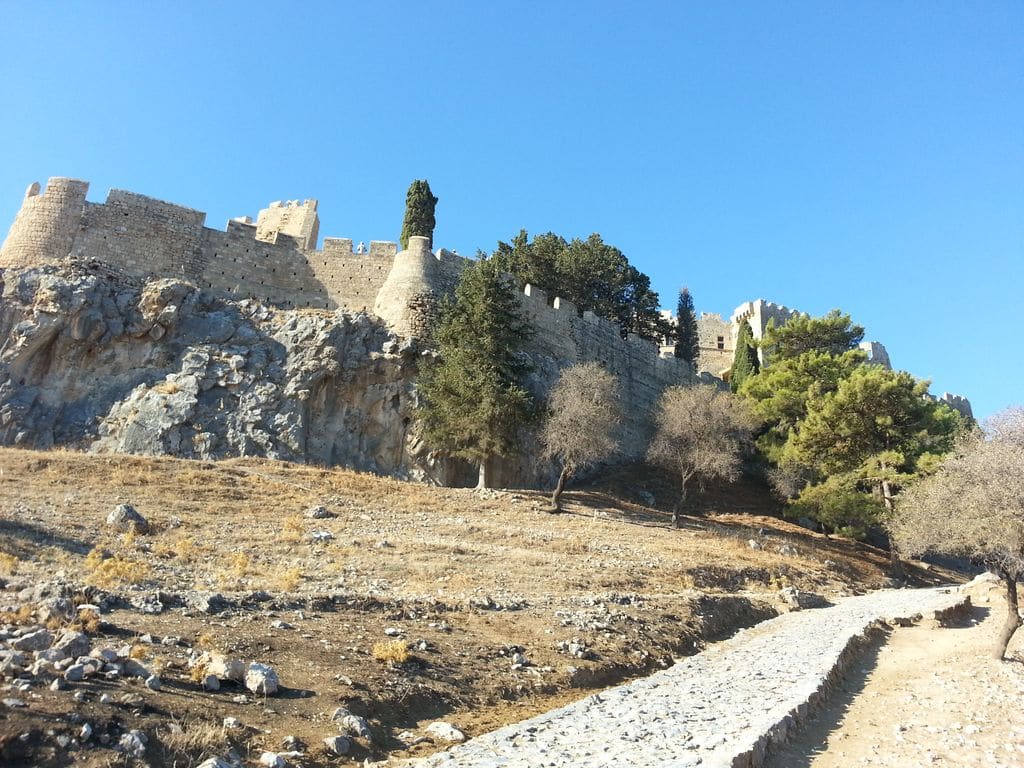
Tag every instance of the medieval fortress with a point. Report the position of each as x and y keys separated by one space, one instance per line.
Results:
x=275 y=260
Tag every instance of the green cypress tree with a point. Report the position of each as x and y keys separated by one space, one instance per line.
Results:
x=474 y=398
x=687 y=343
x=744 y=362
x=419 y=212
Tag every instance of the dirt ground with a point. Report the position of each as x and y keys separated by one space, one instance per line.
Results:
x=923 y=696
x=462 y=580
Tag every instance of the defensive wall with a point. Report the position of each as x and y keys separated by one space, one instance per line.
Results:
x=275 y=260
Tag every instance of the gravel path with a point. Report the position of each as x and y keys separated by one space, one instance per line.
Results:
x=719 y=708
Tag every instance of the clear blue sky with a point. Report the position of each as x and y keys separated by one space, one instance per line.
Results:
x=861 y=155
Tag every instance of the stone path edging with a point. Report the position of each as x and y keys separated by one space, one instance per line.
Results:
x=719 y=709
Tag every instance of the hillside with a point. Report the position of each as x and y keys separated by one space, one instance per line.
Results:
x=465 y=581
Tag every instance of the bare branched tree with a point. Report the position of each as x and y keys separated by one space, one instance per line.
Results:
x=973 y=506
x=700 y=435
x=582 y=421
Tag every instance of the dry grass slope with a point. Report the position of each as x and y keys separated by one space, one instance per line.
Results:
x=466 y=578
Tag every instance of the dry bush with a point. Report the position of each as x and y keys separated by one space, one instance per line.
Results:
x=112 y=571
x=190 y=742
x=391 y=651
x=9 y=563
x=87 y=621
x=240 y=564
x=293 y=529
x=289 y=579
x=24 y=616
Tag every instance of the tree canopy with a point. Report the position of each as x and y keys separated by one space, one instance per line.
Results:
x=474 y=398
x=419 y=212
x=833 y=333
x=592 y=274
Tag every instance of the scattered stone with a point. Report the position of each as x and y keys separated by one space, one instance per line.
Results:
x=281 y=625
x=105 y=698
x=232 y=723
x=133 y=744
x=39 y=640
x=392 y=631
x=75 y=673
x=318 y=513
x=355 y=726
x=788 y=549
x=153 y=683
x=72 y=643
x=753 y=544
x=227 y=669
x=14 y=703
x=216 y=762
x=321 y=536
x=806 y=522
x=86 y=733
x=124 y=517
x=58 y=684
x=261 y=679
x=338 y=745
x=272 y=760
x=445 y=732
x=211 y=683
x=207 y=602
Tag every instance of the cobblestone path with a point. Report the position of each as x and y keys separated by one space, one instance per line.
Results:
x=719 y=708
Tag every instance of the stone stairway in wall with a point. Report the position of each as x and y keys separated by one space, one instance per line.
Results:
x=723 y=707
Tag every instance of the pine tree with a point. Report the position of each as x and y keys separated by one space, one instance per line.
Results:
x=744 y=362
x=687 y=343
x=419 y=212
x=474 y=401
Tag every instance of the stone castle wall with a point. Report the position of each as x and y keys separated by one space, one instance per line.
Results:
x=273 y=260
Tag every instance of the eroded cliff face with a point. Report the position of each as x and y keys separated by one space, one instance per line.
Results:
x=98 y=361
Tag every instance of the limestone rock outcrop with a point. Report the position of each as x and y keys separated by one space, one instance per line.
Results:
x=97 y=360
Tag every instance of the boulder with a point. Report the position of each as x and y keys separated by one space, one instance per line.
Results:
x=38 y=640
x=124 y=517
x=445 y=732
x=338 y=745
x=261 y=679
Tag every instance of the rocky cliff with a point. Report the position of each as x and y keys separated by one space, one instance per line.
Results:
x=99 y=361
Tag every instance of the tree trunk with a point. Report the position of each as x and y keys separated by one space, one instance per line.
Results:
x=895 y=563
x=1013 y=620
x=482 y=478
x=680 y=502
x=556 y=497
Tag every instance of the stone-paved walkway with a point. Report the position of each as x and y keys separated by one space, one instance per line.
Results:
x=719 y=708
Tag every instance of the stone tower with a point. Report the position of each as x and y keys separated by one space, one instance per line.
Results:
x=45 y=227
x=299 y=220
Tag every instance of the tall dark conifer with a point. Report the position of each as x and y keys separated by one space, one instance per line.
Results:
x=419 y=212
x=744 y=362
x=474 y=398
x=687 y=344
